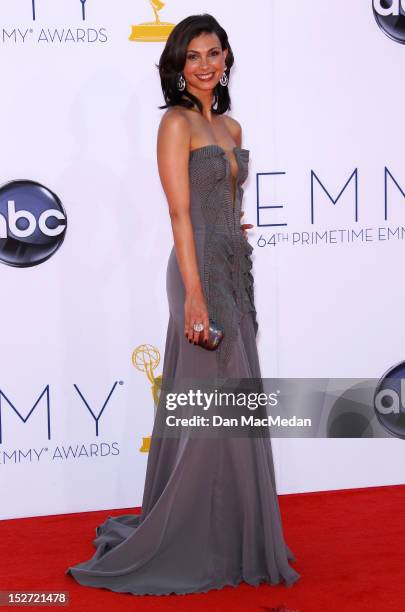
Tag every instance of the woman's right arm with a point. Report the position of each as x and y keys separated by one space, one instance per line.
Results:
x=173 y=150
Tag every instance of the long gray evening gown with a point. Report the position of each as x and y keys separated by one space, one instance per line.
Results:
x=210 y=515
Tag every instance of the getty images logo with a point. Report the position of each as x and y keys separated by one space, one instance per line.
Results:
x=390 y=16
x=32 y=223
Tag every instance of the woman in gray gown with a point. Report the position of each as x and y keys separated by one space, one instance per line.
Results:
x=210 y=515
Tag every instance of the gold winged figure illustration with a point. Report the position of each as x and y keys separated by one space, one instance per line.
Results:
x=152 y=31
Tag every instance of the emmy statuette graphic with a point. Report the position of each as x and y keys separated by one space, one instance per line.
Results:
x=146 y=358
x=152 y=31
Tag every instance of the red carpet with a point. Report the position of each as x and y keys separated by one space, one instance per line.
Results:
x=349 y=544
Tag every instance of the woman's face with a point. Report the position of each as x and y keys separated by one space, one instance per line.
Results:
x=205 y=62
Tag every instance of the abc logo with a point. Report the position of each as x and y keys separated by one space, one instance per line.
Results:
x=389 y=400
x=390 y=16
x=32 y=223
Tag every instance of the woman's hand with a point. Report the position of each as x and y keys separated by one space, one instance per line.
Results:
x=195 y=311
x=245 y=226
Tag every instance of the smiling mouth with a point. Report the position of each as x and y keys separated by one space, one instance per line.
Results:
x=205 y=77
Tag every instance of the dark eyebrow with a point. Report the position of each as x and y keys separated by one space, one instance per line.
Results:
x=192 y=50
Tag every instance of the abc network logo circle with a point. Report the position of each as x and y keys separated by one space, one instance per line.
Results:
x=390 y=16
x=32 y=223
x=389 y=400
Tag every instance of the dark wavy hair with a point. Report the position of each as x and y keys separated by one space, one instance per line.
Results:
x=173 y=59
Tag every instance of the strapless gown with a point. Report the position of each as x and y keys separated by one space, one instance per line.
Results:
x=210 y=514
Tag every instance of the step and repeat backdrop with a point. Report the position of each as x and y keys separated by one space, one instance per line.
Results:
x=85 y=232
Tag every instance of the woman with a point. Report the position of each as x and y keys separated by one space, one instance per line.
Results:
x=210 y=514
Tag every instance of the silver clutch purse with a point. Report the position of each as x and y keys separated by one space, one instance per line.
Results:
x=215 y=335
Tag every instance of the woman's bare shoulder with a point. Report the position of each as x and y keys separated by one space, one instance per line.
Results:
x=174 y=116
x=173 y=122
x=234 y=127
x=174 y=132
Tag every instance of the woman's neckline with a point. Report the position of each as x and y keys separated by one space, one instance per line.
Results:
x=217 y=146
x=202 y=151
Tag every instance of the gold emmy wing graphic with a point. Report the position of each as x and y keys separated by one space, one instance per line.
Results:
x=152 y=31
x=146 y=358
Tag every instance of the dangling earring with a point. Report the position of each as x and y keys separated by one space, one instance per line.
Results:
x=224 y=79
x=181 y=83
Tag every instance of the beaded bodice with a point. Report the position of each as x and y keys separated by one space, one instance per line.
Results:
x=210 y=173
